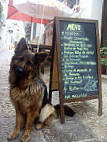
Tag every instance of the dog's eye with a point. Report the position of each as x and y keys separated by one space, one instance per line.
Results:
x=20 y=59
x=28 y=63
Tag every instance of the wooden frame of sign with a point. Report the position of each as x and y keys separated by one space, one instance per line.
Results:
x=75 y=69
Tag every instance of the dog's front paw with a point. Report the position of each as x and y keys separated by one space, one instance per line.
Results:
x=39 y=126
x=26 y=137
x=13 y=135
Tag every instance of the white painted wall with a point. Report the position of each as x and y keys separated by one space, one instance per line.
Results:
x=40 y=32
x=96 y=12
x=3 y=28
x=3 y=38
x=39 y=29
x=92 y=9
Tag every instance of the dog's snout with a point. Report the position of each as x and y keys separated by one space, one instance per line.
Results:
x=21 y=69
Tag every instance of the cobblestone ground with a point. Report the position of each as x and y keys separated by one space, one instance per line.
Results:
x=85 y=126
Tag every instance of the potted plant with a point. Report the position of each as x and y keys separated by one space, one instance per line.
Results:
x=103 y=58
x=105 y=63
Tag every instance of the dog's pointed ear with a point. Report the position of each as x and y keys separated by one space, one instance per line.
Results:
x=40 y=57
x=21 y=46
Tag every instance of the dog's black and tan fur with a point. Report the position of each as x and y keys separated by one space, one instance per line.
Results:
x=28 y=92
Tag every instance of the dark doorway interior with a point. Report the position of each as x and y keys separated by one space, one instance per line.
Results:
x=104 y=25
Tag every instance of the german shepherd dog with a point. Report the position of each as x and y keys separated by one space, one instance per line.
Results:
x=28 y=92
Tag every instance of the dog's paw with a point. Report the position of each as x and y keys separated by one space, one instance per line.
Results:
x=13 y=135
x=39 y=126
x=26 y=137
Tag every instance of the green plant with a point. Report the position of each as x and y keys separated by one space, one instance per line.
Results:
x=2 y=16
x=1 y=10
x=105 y=63
x=103 y=56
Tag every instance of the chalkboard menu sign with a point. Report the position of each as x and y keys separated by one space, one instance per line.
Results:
x=78 y=60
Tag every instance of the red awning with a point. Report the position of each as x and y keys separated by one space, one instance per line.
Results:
x=14 y=14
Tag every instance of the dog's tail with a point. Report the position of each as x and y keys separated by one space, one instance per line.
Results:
x=67 y=110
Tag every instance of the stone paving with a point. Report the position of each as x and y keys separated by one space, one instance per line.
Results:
x=85 y=126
